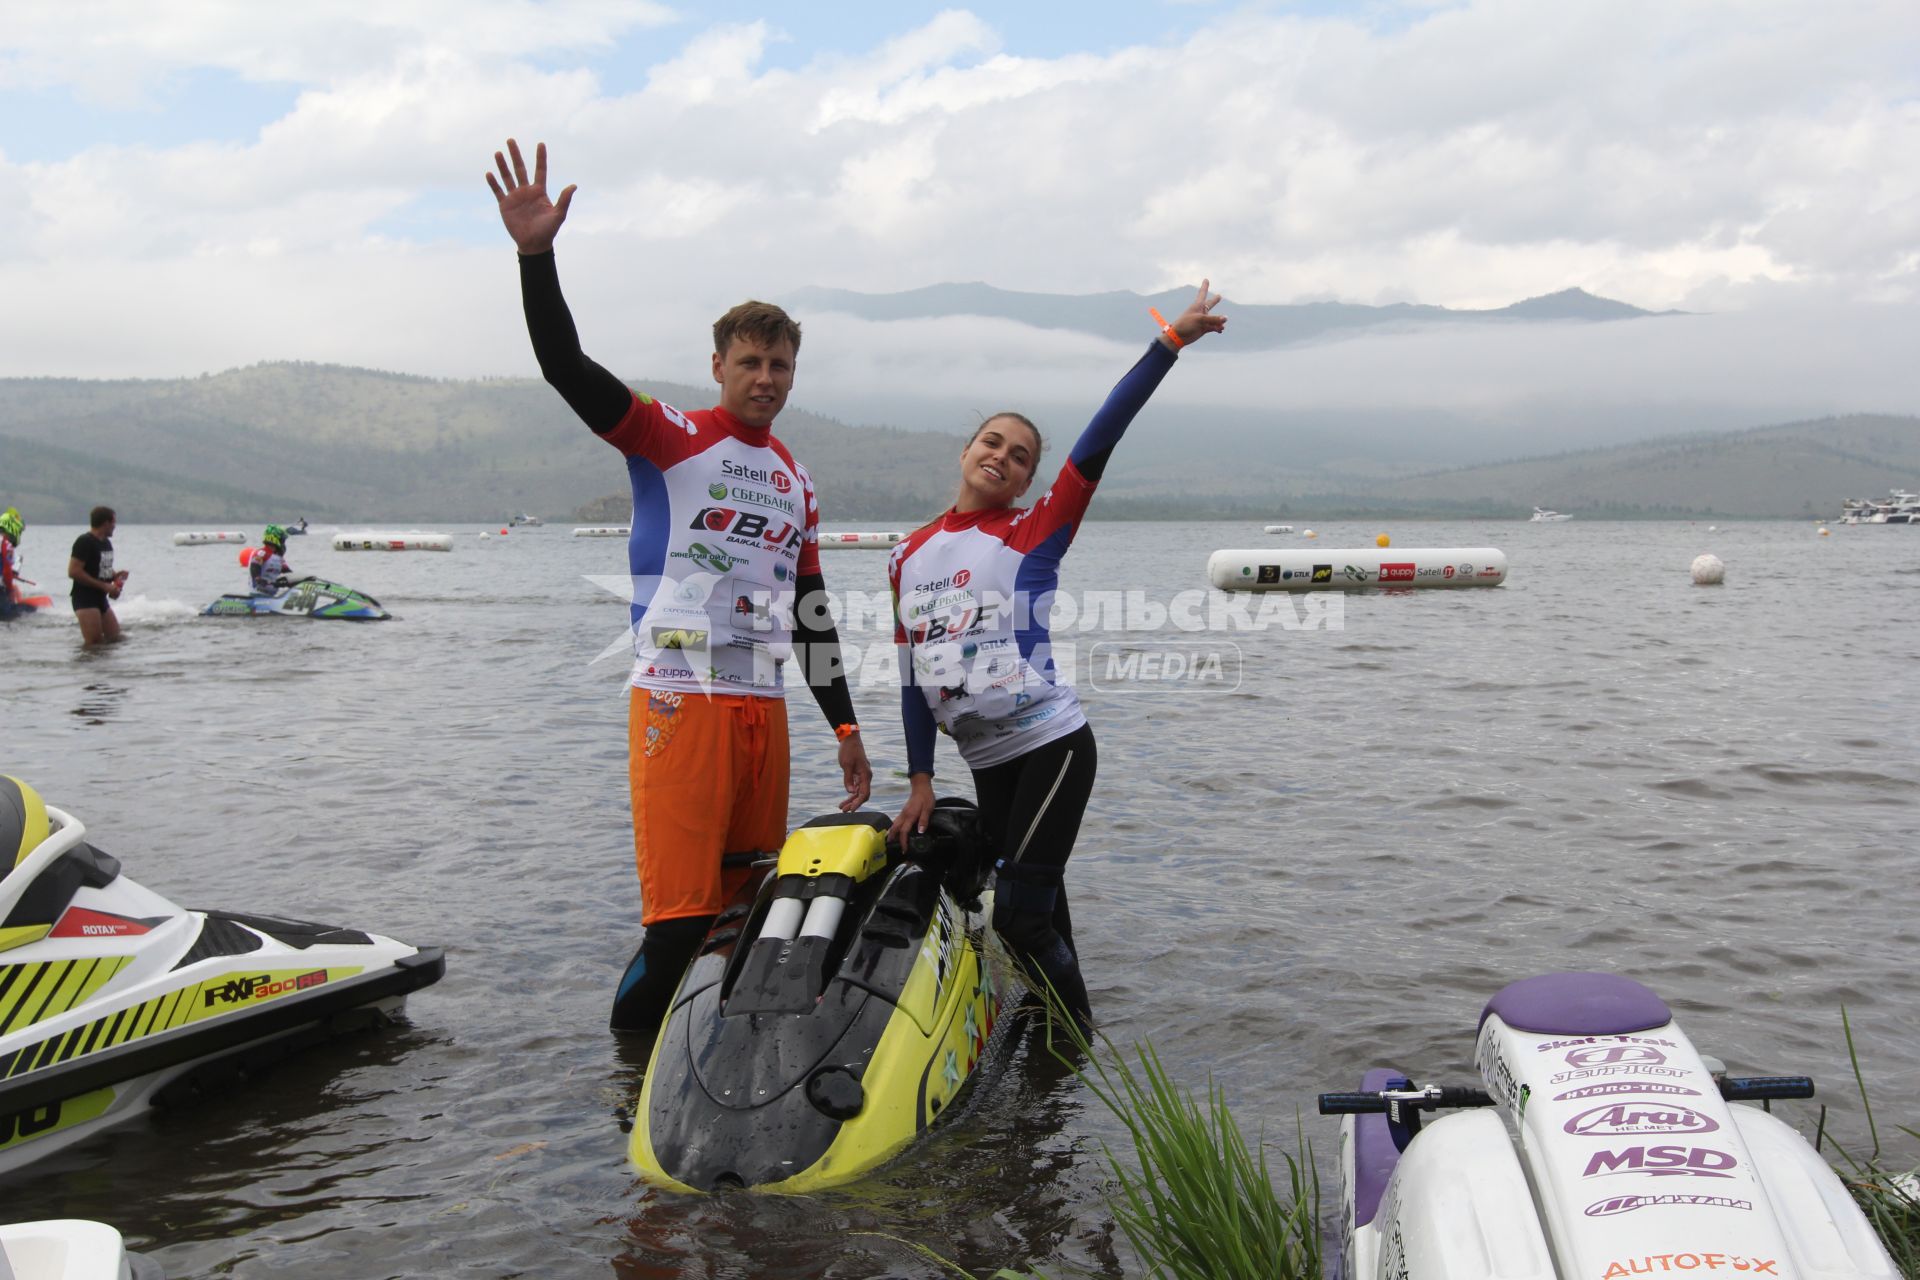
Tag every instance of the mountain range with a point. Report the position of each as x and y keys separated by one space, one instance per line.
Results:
x=285 y=440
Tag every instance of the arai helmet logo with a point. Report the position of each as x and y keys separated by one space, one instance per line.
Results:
x=1640 y=1117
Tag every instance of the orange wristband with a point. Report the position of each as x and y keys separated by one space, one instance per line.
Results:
x=1165 y=328
x=845 y=731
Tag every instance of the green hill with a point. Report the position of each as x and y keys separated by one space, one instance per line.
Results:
x=279 y=441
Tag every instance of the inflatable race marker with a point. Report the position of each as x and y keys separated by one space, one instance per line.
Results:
x=860 y=541
x=207 y=539
x=603 y=531
x=1356 y=569
x=411 y=540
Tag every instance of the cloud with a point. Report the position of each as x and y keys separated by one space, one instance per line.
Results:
x=1466 y=154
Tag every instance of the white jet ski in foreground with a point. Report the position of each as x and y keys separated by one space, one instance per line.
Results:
x=112 y=997
x=1616 y=1152
x=70 y=1249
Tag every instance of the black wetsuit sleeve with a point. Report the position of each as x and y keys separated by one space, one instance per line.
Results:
x=816 y=643
x=600 y=399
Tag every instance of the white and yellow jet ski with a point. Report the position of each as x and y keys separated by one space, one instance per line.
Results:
x=113 y=999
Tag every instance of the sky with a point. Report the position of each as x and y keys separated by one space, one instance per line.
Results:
x=201 y=185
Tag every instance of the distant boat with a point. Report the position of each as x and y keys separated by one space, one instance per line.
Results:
x=1279 y=528
x=524 y=518
x=1542 y=516
x=1901 y=507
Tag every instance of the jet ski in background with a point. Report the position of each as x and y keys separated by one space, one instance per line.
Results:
x=70 y=1249
x=302 y=598
x=113 y=998
x=833 y=1012
x=1603 y=1147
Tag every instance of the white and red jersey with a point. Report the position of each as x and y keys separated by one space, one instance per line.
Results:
x=724 y=524
x=264 y=567
x=971 y=594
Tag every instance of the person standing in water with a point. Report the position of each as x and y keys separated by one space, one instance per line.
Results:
x=970 y=595
x=724 y=524
x=96 y=583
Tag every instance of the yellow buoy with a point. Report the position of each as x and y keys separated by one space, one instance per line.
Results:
x=1383 y=541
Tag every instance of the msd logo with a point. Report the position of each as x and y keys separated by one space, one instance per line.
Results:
x=1640 y=1117
x=1661 y=1162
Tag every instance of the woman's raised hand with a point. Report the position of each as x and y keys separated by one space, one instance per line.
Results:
x=531 y=219
x=1198 y=319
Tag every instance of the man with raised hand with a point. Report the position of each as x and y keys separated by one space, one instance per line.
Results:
x=724 y=525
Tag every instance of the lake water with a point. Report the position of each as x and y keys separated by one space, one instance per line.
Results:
x=1326 y=864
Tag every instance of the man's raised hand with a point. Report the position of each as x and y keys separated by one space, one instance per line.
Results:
x=531 y=219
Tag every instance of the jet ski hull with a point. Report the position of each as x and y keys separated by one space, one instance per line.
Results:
x=306 y=598
x=112 y=998
x=786 y=1069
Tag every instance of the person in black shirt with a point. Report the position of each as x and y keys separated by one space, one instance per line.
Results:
x=96 y=583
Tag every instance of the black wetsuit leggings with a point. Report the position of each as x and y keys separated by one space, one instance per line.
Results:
x=1032 y=806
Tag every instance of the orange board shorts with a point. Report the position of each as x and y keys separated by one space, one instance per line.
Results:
x=709 y=777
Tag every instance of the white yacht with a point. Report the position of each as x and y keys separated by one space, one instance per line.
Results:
x=1899 y=507
x=1543 y=516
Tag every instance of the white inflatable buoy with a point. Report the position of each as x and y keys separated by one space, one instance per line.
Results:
x=207 y=539
x=410 y=540
x=1309 y=534
x=1713 y=528
x=859 y=541
x=1356 y=569
x=1708 y=571
x=603 y=531
x=1824 y=533
x=484 y=535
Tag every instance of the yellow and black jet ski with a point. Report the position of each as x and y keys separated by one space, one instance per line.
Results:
x=113 y=999
x=834 y=1011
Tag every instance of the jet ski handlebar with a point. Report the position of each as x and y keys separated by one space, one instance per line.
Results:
x=1437 y=1097
x=1431 y=1098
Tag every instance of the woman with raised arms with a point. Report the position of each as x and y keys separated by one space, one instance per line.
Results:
x=970 y=594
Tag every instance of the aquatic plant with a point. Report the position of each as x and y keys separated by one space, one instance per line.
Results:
x=1890 y=1198
x=1197 y=1201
